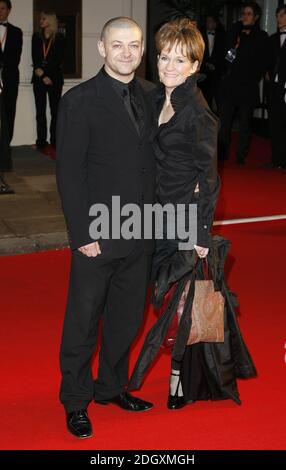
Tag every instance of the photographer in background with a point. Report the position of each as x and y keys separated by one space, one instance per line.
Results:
x=246 y=64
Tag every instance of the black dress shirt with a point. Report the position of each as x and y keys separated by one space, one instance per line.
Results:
x=186 y=154
x=131 y=96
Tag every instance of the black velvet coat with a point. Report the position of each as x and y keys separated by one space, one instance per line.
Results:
x=209 y=370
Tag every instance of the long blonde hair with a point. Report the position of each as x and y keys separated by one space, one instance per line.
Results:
x=53 y=21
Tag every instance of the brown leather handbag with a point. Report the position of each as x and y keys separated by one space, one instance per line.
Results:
x=207 y=312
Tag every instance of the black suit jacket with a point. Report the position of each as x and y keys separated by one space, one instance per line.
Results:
x=241 y=84
x=11 y=56
x=277 y=60
x=100 y=155
x=218 y=53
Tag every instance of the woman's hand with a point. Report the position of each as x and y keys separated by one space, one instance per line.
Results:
x=39 y=72
x=202 y=252
x=47 y=81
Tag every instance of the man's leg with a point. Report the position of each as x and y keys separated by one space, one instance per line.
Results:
x=40 y=94
x=123 y=316
x=245 y=132
x=282 y=134
x=226 y=113
x=277 y=123
x=10 y=99
x=55 y=93
x=89 y=281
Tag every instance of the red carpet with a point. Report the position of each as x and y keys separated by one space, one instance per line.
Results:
x=33 y=293
x=251 y=191
x=33 y=300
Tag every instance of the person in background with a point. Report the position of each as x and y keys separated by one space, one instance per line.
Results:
x=213 y=65
x=277 y=94
x=11 y=41
x=47 y=56
x=246 y=64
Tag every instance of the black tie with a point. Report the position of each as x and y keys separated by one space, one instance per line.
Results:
x=211 y=33
x=133 y=109
x=3 y=24
x=282 y=32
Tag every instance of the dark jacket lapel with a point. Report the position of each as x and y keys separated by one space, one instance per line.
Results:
x=9 y=39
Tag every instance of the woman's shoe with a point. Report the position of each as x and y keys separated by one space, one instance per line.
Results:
x=175 y=402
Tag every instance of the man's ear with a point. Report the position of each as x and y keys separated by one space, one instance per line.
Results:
x=101 y=48
x=143 y=48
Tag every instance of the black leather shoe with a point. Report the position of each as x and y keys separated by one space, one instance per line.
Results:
x=175 y=402
x=128 y=402
x=79 y=424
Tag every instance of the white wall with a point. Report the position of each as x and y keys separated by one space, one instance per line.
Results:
x=95 y=14
x=269 y=18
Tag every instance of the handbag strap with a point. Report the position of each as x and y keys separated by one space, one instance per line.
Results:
x=203 y=265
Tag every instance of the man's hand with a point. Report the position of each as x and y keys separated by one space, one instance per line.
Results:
x=47 y=81
x=91 y=250
x=39 y=72
x=202 y=252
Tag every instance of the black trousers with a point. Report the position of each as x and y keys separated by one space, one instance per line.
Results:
x=227 y=110
x=114 y=289
x=277 y=125
x=10 y=99
x=5 y=149
x=54 y=92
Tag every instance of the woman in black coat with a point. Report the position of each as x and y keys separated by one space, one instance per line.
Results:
x=48 y=56
x=185 y=144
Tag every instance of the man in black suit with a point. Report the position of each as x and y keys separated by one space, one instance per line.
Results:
x=277 y=92
x=11 y=39
x=10 y=54
x=246 y=64
x=213 y=64
x=104 y=150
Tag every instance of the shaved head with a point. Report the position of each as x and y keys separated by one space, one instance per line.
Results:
x=120 y=22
